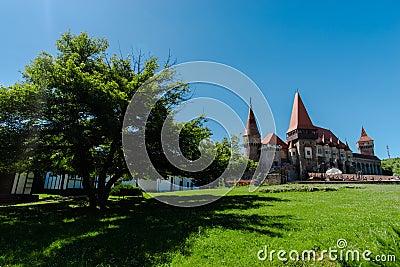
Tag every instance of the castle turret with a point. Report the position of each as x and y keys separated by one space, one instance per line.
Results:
x=302 y=135
x=272 y=142
x=251 y=137
x=300 y=126
x=365 y=144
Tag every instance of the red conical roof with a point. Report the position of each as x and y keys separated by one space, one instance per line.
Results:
x=364 y=137
x=273 y=139
x=300 y=118
x=251 y=124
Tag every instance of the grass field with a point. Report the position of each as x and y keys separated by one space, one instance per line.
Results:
x=228 y=232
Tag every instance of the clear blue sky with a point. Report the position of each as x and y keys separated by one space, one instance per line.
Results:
x=344 y=56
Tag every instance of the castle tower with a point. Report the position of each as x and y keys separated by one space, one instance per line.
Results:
x=271 y=142
x=302 y=136
x=251 y=137
x=365 y=144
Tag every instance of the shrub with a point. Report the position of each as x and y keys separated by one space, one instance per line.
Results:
x=302 y=188
x=123 y=190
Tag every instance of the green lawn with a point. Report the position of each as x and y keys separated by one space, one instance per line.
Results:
x=228 y=232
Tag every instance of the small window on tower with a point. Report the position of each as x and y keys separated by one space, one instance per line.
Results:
x=308 y=152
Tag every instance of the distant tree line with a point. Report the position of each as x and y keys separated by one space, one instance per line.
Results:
x=391 y=166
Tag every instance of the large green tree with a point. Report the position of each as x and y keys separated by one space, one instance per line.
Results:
x=83 y=98
x=67 y=116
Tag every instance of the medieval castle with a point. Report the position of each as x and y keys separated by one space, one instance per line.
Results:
x=309 y=148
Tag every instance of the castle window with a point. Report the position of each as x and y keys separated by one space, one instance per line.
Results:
x=308 y=152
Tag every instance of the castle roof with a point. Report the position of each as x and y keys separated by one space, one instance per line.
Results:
x=364 y=137
x=273 y=139
x=320 y=141
x=364 y=156
x=326 y=134
x=347 y=147
x=300 y=118
x=251 y=124
x=341 y=145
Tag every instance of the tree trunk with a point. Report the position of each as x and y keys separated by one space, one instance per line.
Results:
x=103 y=191
x=99 y=196
x=89 y=190
x=103 y=198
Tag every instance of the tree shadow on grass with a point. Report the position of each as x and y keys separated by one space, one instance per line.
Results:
x=132 y=232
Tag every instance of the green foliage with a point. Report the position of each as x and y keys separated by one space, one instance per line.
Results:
x=70 y=107
x=67 y=116
x=125 y=190
x=18 y=124
x=251 y=165
x=84 y=98
x=303 y=188
x=191 y=134
x=228 y=159
x=391 y=166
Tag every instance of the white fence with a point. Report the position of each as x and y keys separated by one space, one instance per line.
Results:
x=22 y=183
x=174 y=183
x=64 y=181
x=68 y=181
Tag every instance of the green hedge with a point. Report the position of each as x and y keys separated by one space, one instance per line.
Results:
x=123 y=190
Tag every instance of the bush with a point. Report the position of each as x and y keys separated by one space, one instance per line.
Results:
x=123 y=190
x=302 y=188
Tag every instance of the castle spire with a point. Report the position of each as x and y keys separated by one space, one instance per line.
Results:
x=252 y=138
x=365 y=144
x=363 y=132
x=251 y=124
x=300 y=118
x=364 y=137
